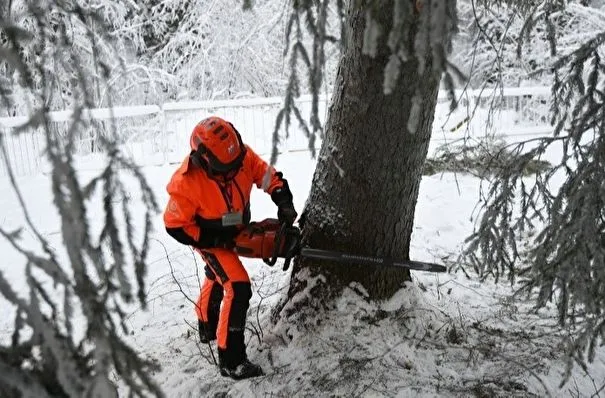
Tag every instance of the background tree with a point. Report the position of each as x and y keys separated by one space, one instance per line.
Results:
x=69 y=319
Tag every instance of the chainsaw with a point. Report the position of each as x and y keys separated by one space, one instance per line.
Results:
x=270 y=240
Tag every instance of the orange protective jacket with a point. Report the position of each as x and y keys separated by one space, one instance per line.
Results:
x=198 y=203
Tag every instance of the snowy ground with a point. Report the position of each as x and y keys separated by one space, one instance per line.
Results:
x=445 y=335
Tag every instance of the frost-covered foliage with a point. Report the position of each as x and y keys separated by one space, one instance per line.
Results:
x=312 y=28
x=214 y=49
x=168 y=50
x=564 y=207
x=505 y=44
x=437 y=20
x=68 y=335
x=125 y=79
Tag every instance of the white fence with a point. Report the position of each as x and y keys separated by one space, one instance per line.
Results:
x=157 y=134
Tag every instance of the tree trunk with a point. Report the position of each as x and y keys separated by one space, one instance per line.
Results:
x=368 y=173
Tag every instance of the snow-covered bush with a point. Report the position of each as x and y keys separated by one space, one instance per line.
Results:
x=214 y=49
x=502 y=45
x=482 y=158
x=565 y=260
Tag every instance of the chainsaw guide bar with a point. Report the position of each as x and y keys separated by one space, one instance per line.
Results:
x=270 y=240
x=320 y=254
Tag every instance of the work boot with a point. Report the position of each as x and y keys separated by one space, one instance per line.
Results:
x=244 y=370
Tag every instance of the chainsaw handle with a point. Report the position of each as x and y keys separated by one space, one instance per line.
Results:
x=270 y=261
x=281 y=232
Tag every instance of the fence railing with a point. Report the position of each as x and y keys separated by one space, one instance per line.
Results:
x=157 y=134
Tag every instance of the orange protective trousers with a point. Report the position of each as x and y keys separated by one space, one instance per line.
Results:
x=223 y=303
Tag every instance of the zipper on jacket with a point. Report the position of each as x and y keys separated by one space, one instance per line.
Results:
x=228 y=194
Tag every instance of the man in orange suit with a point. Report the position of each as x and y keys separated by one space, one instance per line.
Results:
x=209 y=205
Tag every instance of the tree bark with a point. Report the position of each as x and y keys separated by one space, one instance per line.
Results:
x=365 y=186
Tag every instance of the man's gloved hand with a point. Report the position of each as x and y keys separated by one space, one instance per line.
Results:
x=286 y=214
x=282 y=197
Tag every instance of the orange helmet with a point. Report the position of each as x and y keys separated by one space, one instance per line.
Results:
x=217 y=147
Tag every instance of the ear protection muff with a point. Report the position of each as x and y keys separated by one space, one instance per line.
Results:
x=197 y=160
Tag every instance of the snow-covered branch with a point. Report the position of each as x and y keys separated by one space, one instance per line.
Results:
x=68 y=335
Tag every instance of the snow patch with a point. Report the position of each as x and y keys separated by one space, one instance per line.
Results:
x=442 y=335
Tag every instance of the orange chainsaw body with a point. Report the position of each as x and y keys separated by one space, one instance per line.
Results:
x=270 y=240
x=257 y=240
x=267 y=239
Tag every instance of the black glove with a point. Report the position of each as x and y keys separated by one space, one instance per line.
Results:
x=286 y=214
x=282 y=197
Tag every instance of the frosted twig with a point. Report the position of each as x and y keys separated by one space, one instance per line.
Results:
x=183 y=293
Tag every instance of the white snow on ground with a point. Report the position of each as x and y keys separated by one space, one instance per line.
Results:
x=444 y=335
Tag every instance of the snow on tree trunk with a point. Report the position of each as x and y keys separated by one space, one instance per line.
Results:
x=366 y=183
